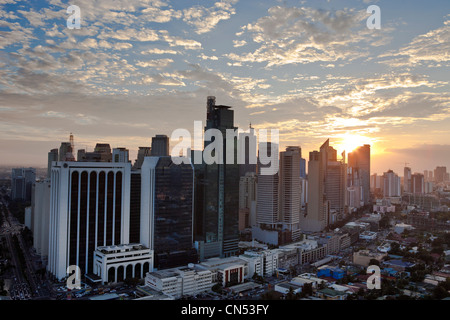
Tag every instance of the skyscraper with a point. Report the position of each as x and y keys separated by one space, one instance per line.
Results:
x=440 y=174
x=267 y=199
x=167 y=211
x=160 y=146
x=391 y=186
x=89 y=208
x=407 y=180
x=359 y=160
x=22 y=180
x=52 y=156
x=336 y=182
x=217 y=217
x=317 y=212
x=142 y=153
x=247 y=200
x=290 y=190
x=417 y=183
x=104 y=149
x=120 y=155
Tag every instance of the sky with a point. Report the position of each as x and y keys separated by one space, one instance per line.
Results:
x=312 y=69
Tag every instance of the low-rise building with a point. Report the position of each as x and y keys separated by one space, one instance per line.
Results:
x=331 y=294
x=263 y=263
x=363 y=257
x=119 y=262
x=226 y=271
x=368 y=235
x=178 y=282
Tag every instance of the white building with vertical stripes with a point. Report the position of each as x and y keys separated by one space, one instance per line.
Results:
x=89 y=208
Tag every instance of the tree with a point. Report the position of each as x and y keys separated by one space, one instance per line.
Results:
x=307 y=289
x=374 y=262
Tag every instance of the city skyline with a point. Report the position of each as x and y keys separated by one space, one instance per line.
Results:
x=134 y=67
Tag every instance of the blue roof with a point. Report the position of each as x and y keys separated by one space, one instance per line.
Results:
x=399 y=263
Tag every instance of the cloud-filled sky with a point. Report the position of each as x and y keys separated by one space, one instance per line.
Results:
x=311 y=69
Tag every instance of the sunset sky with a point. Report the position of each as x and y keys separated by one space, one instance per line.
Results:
x=311 y=69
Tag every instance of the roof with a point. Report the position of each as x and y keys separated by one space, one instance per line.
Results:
x=331 y=292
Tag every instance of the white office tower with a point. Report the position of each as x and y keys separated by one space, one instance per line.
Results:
x=290 y=190
x=40 y=215
x=392 y=185
x=89 y=208
x=267 y=190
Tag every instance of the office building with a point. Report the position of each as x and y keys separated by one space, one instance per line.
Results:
x=267 y=191
x=166 y=215
x=119 y=262
x=22 y=180
x=89 y=208
x=417 y=183
x=407 y=180
x=52 y=156
x=359 y=160
x=178 y=282
x=217 y=184
x=120 y=155
x=290 y=190
x=317 y=213
x=160 y=146
x=392 y=186
x=40 y=217
x=104 y=150
x=247 y=200
x=336 y=183
x=142 y=153
x=440 y=174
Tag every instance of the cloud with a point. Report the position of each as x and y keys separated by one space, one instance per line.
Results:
x=307 y=35
x=205 y=19
x=430 y=49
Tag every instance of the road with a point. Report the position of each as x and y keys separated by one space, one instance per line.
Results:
x=25 y=284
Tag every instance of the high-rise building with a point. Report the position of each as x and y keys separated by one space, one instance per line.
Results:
x=105 y=151
x=417 y=183
x=290 y=191
x=392 y=185
x=247 y=144
x=336 y=182
x=160 y=146
x=317 y=212
x=217 y=216
x=40 y=208
x=52 y=156
x=22 y=180
x=66 y=152
x=142 y=153
x=440 y=174
x=267 y=190
x=166 y=224
x=407 y=180
x=302 y=168
x=120 y=155
x=247 y=200
x=359 y=160
x=89 y=208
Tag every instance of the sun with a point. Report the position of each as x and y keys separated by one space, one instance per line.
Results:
x=350 y=141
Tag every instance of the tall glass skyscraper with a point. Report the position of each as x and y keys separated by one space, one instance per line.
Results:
x=166 y=214
x=217 y=212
